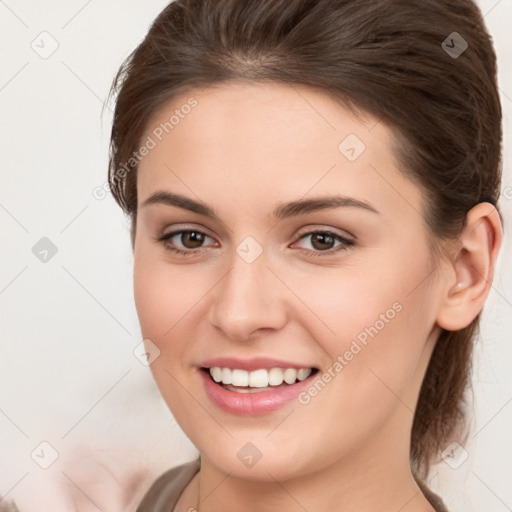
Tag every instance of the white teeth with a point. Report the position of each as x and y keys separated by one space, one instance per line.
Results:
x=259 y=378
x=216 y=373
x=239 y=377
x=304 y=373
x=275 y=376
x=290 y=375
x=225 y=376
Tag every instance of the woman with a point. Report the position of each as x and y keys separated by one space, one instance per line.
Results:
x=312 y=188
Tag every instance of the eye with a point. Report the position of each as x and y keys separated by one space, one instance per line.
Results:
x=190 y=239
x=323 y=242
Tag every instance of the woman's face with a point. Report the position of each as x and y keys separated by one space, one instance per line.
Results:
x=275 y=277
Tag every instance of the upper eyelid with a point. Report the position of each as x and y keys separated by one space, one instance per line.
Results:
x=344 y=234
x=310 y=231
x=178 y=230
x=344 y=240
x=175 y=232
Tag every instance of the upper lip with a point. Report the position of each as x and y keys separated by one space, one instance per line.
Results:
x=255 y=363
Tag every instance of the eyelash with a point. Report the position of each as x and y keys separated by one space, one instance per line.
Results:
x=345 y=243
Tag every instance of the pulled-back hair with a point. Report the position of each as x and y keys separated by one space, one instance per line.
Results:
x=403 y=61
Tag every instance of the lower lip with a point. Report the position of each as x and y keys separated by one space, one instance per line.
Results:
x=251 y=404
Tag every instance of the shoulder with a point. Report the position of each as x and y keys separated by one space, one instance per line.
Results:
x=167 y=488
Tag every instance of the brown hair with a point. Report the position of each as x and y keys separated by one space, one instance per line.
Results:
x=390 y=58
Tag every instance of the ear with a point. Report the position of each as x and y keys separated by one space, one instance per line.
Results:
x=471 y=268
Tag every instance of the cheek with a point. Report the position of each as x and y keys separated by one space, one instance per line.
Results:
x=345 y=304
x=165 y=298
x=164 y=295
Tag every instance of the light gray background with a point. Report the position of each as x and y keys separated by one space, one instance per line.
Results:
x=68 y=374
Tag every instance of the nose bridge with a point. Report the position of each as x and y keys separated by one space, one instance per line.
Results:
x=247 y=298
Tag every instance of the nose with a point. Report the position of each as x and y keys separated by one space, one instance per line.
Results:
x=248 y=301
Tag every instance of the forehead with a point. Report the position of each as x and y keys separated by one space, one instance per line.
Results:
x=279 y=109
x=266 y=140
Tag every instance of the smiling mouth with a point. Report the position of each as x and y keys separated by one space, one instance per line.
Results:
x=257 y=381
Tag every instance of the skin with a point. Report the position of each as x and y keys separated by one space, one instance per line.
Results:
x=243 y=150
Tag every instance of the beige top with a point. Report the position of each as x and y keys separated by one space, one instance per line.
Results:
x=166 y=490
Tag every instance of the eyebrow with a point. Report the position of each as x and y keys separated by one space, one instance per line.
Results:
x=283 y=210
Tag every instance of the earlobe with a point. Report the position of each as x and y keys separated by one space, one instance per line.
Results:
x=472 y=269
